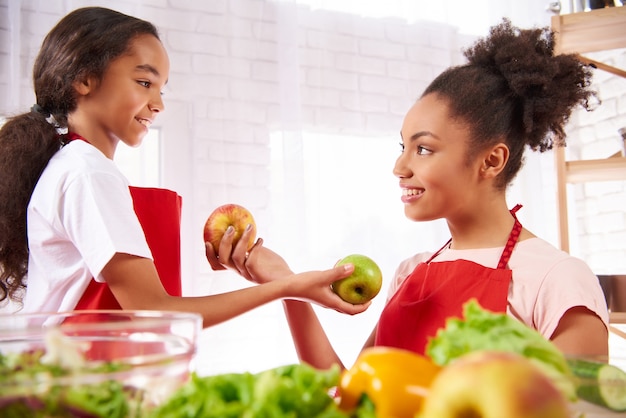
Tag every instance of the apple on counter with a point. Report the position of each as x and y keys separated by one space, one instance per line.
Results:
x=363 y=284
x=494 y=384
x=227 y=215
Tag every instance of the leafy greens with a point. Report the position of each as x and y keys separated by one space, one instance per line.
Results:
x=484 y=330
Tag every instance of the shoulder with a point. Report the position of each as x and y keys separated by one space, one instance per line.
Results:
x=76 y=174
x=540 y=256
x=408 y=265
x=79 y=162
x=547 y=282
x=539 y=264
x=80 y=157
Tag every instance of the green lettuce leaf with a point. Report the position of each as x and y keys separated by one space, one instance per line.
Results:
x=481 y=329
x=290 y=391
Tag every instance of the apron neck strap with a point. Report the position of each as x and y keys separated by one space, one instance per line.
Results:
x=72 y=136
x=508 y=248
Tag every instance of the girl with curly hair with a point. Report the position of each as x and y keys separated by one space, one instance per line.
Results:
x=462 y=143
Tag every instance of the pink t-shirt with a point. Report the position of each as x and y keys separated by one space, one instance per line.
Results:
x=546 y=281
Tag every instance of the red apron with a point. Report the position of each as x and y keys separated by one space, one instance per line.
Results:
x=159 y=213
x=436 y=291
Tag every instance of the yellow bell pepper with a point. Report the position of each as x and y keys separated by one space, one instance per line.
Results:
x=395 y=380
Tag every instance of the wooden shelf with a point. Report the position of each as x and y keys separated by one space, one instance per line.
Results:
x=580 y=33
x=617 y=318
x=596 y=30
x=607 y=169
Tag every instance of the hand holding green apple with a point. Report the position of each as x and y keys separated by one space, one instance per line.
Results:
x=363 y=284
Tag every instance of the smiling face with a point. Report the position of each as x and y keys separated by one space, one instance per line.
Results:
x=123 y=104
x=436 y=177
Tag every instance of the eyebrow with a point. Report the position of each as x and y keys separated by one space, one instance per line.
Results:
x=420 y=134
x=149 y=68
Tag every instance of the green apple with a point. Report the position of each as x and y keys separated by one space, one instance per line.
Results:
x=363 y=284
x=227 y=215
x=494 y=384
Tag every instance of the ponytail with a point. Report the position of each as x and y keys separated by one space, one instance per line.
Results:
x=27 y=141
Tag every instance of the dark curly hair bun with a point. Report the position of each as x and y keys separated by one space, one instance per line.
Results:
x=514 y=88
x=547 y=85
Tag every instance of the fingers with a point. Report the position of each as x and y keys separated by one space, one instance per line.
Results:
x=226 y=246
x=341 y=272
x=333 y=301
x=212 y=257
x=258 y=243
x=350 y=309
x=240 y=253
x=315 y=286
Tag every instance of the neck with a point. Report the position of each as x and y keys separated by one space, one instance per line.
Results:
x=481 y=229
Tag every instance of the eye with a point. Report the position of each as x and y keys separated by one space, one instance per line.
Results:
x=423 y=151
x=401 y=147
x=144 y=83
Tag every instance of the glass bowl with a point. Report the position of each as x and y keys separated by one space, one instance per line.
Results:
x=93 y=363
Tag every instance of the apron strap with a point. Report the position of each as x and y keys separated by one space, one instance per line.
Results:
x=513 y=237
x=508 y=248
x=446 y=245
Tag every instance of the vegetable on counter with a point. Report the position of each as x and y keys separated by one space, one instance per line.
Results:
x=396 y=381
x=484 y=330
x=289 y=391
x=600 y=383
x=55 y=395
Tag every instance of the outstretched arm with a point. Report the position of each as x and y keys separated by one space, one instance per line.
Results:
x=311 y=342
x=136 y=285
x=262 y=265
x=309 y=338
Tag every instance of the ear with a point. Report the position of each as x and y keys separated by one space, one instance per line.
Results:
x=83 y=86
x=494 y=160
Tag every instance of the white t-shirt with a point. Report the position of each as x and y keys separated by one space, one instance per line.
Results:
x=80 y=214
x=546 y=281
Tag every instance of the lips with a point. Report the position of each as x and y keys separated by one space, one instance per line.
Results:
x=145 y=122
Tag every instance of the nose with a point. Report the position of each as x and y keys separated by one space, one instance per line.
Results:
x=157 y=105
x=400 y=168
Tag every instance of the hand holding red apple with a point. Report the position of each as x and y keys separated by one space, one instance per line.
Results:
x=259 y=266
x=225 y=227
x=226 y=216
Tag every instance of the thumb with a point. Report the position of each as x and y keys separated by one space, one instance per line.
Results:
x=342 y=271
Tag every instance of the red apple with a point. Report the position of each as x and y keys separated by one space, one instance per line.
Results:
x=227 y=215
x=363 y=284
x=494 y=384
